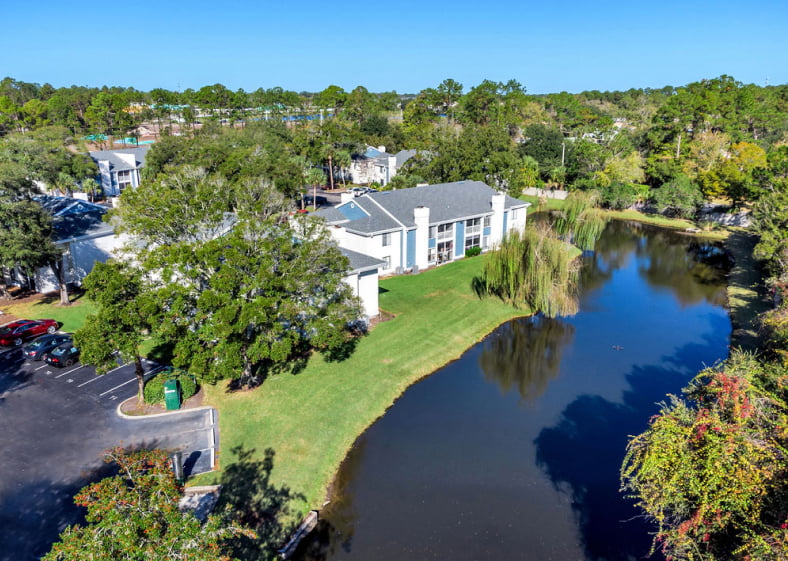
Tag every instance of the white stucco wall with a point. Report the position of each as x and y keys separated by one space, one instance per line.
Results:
x=373 y=246
x=368 y=292
x=80 y=257
x=518 y=222
x=365 y=286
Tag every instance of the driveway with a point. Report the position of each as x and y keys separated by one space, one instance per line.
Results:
x=54 y=425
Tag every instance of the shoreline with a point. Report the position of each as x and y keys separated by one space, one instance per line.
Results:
x=747 y=294
x=738 y=283
x=399 y=384
x=314 y=418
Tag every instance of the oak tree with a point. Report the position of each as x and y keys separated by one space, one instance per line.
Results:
x=135 y=516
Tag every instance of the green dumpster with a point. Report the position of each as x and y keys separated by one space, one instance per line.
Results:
x=172 y=395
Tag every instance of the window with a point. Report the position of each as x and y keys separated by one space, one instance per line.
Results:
x=445 y=250
x=387 y=262
x=445 y=231
x=124 y=179
x=472 y=241
x=473 y=226
x=486 y=221
x=473 y=233
x=433 y=232
x=432 y=255
x=387 y=239
x=514 y=214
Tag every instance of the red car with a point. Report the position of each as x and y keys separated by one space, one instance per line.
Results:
x=16 y=332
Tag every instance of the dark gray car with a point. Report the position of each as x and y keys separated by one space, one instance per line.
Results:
x=36 y=349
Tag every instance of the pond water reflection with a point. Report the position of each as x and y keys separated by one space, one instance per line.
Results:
x=513 y=451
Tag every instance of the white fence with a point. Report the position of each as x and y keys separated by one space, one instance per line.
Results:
x=546 y=193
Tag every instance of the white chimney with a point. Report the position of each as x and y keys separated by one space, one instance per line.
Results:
x=498 y=204
x=421 y=216
x=338 y=233
x=345 y=197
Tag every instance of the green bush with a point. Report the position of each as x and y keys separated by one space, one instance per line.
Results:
x=679 y=197
x=473 y=251
x=154 y=388
x=621 y=196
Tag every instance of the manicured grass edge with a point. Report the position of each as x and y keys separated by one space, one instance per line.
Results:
x=409 y=299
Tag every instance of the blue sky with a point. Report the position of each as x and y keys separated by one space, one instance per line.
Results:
x=548 y=46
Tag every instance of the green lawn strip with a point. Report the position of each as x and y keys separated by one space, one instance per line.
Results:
x=70 y=317
x=637 y=216
x=717 y=233
x=747 y=296
x=311 y=419
x=551 y=204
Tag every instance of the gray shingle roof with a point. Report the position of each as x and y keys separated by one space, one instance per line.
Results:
x=448 y=202
x=330 y=214
x=403 y=156
x=360 y=262
x=120 y=164
x=81 y=225
x=73 y=218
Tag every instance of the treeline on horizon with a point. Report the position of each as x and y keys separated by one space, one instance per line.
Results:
x=674 y=147
x=714 y=134
x=27 y=105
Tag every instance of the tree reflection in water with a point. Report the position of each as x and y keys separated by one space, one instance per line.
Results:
x=691 y=272
x=525 y=354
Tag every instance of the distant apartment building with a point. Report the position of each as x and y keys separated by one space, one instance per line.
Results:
x=375 y=165
x=119 y=169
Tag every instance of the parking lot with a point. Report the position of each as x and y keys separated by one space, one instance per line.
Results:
x=56 y=422
x=109 y=389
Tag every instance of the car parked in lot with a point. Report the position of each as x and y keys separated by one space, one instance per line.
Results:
x=64 y=355
x=44 y=344
x=358 y=191
x=15 y=333
x=318 y=201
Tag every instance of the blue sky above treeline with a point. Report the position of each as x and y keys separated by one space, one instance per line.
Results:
x=405 y=46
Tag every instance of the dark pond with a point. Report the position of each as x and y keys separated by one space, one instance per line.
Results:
x=513 y=451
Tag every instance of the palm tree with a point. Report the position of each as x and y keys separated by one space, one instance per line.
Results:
x=313 y=177
x=342 y=160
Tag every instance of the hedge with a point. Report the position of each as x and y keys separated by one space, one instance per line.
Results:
x=154 y=388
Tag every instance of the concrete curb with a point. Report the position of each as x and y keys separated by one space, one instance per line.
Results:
x=122 y=415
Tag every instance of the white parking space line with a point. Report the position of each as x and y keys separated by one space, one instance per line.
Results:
x=69 y=372
x=116 y=387
x=103 y=377
x=150 y=372
x=114 y=369
x=190 y=431
x=42 y=366
x=95 y=377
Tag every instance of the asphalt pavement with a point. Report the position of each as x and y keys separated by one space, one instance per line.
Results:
x=54 y=425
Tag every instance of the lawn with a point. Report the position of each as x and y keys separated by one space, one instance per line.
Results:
x=550 y=204
x=48 y=306
x=311 y=419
